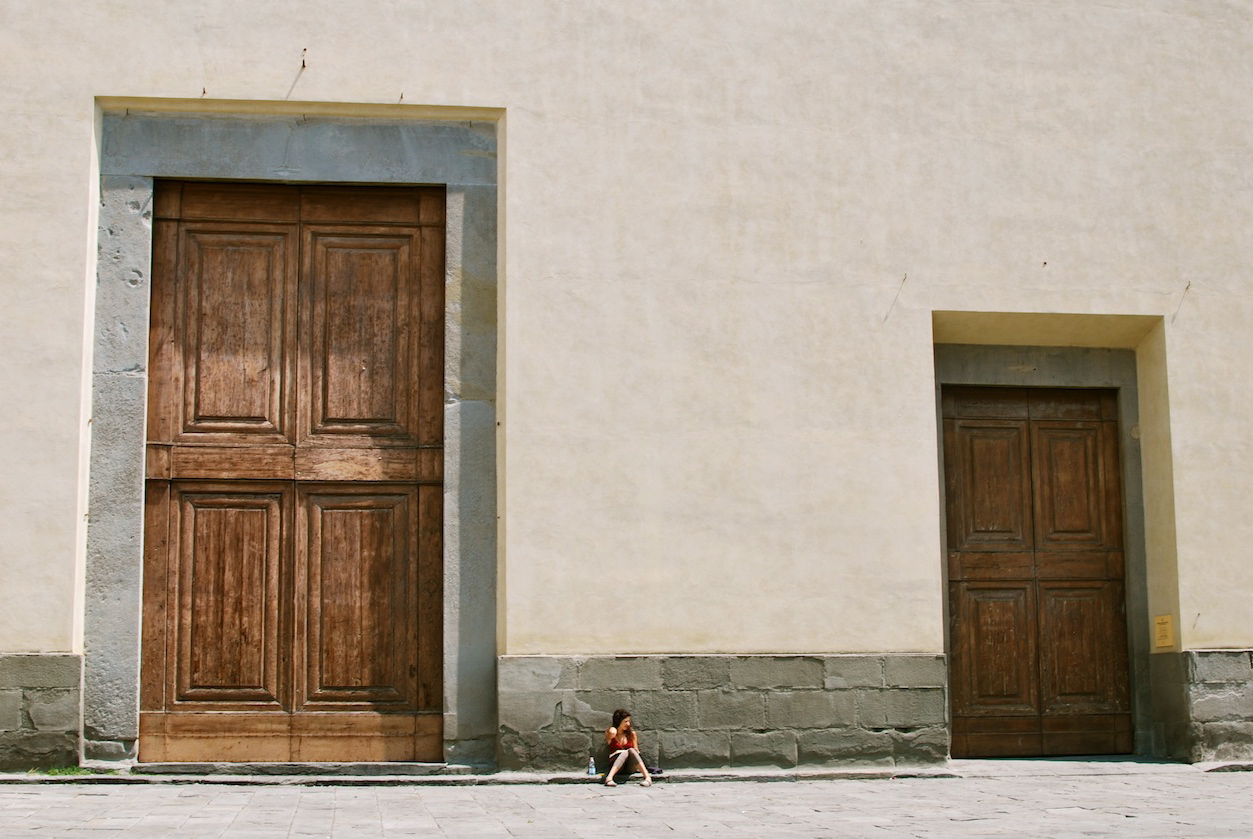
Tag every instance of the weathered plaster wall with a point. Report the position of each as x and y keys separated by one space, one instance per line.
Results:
x=725 y=231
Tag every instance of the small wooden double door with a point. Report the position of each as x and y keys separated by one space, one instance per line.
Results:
x=293 y=558
x=1037 y=636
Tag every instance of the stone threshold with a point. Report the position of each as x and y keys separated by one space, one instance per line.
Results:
x=359 y=768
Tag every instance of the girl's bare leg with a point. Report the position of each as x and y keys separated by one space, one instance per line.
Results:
x=617 y=764
x=648 y=780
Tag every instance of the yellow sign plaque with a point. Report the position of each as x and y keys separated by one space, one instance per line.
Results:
x=1164 y=631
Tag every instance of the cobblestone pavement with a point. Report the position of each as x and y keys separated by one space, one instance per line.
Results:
x=1012 y=801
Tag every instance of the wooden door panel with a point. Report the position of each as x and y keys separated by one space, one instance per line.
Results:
x=372 y=205
x=1111 y=487
x=327 y=465
x=165 y=357
x=225 y=579
x=157 y=555
x=237 y=321
x=363 y=327
x=1079 y=565
x=1087 y=734
x=984 y=402
x=1068 y=486
x=988 y=485
x=358 y=598
x=235 y=202
x=996 y=661
x=180 y=736
x=1071 y=404
x=365 y=736
x=215 y=463
x=259 y=737
x=993 y=736
x=989 y=565
x=1083 y=658
x=430 y=397
x=430 y=587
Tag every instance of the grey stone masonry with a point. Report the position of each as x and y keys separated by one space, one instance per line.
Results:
x=1220 y=693
x=708 y=711
x=40 y=709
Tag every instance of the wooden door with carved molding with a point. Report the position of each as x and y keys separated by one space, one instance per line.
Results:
x=1037 y=625
x=293 y=530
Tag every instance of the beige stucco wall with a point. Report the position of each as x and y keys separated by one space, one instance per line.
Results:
x=724 y=230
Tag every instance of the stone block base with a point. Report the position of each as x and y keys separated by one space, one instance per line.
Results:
x=726 y=710
x=39 y=710
x=1219 y=685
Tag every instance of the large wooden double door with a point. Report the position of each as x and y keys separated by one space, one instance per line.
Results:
x=1038 y=636
x=293 y=558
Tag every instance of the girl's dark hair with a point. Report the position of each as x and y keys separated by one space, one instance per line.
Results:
x=619 y=715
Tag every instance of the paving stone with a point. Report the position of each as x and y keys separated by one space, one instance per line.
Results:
x=730 y=709
x=695 y=672
x=1063 y=800
x=776 y=671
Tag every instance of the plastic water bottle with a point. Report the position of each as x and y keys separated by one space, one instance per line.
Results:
x=591 y=765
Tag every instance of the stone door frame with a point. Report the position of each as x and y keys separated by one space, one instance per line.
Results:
x=289 y=145
x=1063 y=367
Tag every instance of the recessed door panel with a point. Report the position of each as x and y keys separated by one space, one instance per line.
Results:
x=359 y=598
x=1069 y=499
x=993 y=502
x=998 y=656
x=229 y=544
x=237 y=324
x=363 y=324
x=1083 y=647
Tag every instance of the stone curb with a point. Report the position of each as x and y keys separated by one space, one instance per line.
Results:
x=498 y=779
x=455 y=778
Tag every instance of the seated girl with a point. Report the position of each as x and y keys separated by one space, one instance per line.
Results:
x=624 y=749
